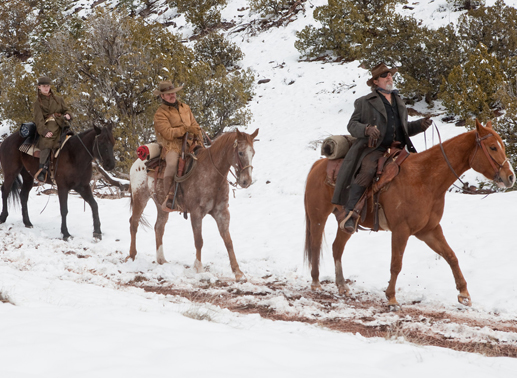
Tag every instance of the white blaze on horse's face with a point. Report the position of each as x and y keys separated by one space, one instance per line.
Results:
x=245 y=172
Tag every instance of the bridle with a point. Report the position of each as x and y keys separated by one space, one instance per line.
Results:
x=95 y=146
x=495 y=165
x=239 y=167
x=493 y=162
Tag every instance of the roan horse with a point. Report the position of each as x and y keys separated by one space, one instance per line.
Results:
x=205 y=192
x=72 y=170
x=413 y=203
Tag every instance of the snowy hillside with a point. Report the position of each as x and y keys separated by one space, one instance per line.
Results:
x=81 y=309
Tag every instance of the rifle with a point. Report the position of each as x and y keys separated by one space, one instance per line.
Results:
x=181 y=167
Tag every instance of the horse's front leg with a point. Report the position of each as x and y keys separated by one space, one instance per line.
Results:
x=436 y=241
x=86 y=192
x=399 y=240
x=223 y=223
x=63 y=205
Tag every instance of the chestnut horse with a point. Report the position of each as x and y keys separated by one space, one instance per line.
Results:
x=413 y=203
x=205 y=192
x=72 y=167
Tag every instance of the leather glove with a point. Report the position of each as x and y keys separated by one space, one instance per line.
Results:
x=193 y=130
x=373 y=133
x=425 y=123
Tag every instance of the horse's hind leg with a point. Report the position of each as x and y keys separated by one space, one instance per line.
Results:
x=138 y=204
x=436 y=241
x=6 y=189
x=337 y=251
x=223 y=222
x=28 y=182
x=159 y=230
x=196 y=220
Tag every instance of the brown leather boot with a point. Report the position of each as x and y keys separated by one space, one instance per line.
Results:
x=349 y=220
x=169 y=191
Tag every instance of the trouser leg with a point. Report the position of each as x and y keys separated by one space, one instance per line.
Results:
x=360 y=183
x=171 y=160
x=43 y=157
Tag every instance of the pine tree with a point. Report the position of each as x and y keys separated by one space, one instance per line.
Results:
x=470 y=90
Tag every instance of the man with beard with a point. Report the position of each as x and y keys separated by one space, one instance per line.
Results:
x=379 y=121
x=172 y=121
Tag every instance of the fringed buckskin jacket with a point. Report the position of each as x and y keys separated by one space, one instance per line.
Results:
x=171 y=125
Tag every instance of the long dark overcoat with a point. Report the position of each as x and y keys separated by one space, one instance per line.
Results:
x=369 y=110
x=45 y=107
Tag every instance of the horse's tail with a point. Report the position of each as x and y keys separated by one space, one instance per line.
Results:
x=14 y=193
x=310 y=248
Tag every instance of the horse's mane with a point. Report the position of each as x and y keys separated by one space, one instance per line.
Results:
x=437 y=149
x=218 y=144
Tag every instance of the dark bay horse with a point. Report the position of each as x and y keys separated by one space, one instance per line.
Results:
x=413 y=203
x=205 y=192
x=72 y=167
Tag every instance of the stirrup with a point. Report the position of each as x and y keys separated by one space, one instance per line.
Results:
x=350 y=218
x=164 y=204
x=41 y=175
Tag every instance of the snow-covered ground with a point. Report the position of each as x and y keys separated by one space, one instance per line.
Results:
x=70 y=313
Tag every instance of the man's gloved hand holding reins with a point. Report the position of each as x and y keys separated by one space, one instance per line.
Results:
x=373 y=133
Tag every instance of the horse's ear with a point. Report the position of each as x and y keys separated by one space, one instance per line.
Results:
x=97 y=129
x=239 y=134
x=489 y=124
x=255 y=133
x=479 y=126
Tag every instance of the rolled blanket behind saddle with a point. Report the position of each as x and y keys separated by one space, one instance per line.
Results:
x=336 y=146
x=148 y=151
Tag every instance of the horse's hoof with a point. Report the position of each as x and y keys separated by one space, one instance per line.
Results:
x=316 y=287
x=97 y=235
x=240 y=277
x=67 y=238
x=198 y=267
x=394 y=307
x=465 y=300
x=161 y=261
x=29 y=225
x=344 y=290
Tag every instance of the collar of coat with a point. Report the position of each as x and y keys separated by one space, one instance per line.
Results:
x=376 y=101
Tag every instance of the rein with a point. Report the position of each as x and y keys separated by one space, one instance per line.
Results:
x=239 y=164
x=95 y=144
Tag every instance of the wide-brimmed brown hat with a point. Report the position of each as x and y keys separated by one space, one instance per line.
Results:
x=166 y=87
x=44 y=80
x=378 y=70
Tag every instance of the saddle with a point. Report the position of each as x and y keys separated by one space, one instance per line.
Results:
x=156 y=166
x=388 y=168
x=28 y=131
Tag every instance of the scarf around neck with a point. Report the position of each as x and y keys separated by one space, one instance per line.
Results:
x=386 y=91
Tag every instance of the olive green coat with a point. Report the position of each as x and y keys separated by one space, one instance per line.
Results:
x=46 y=108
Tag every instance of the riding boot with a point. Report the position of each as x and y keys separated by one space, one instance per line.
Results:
x=41 y=175
x=354 y=195
x=169 y=193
